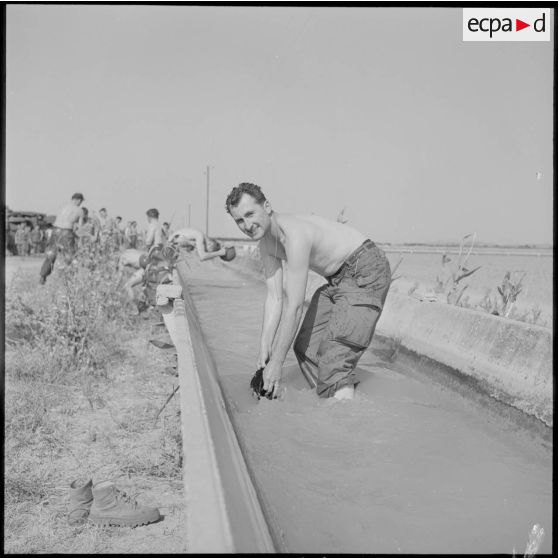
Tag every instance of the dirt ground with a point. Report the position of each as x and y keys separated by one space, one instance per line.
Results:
x=13 y=263
x=106 y=430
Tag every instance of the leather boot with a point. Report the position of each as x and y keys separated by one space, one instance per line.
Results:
x=81 y=499
x=114 y=507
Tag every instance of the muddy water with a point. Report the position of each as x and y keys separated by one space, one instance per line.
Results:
x=411 y=465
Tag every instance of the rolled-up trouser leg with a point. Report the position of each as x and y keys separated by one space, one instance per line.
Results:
x=332 y=339
x=311 y=332
x=348 y=335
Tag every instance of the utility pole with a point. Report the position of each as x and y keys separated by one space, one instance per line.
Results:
x=207 y=203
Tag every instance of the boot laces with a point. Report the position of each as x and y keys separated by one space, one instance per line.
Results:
x=126 y=498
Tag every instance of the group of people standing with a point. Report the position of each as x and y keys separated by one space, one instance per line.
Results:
x=76 y=228
x=339 y=323
x=30 y=240
x=103 y=228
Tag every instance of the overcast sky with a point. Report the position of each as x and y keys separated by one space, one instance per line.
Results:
x=423 y=137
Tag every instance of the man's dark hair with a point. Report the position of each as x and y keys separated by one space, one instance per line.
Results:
x=118 y=217
x=152 y=213
x=102 y=209
x=233 y=199
x=165 y=224
x=78 y=196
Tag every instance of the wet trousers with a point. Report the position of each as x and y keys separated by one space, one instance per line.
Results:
x=341 y=319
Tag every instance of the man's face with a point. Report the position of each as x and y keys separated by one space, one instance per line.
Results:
x=103 y=213
x=253 y=219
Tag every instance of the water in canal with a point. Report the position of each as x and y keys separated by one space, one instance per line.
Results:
x=412 y=465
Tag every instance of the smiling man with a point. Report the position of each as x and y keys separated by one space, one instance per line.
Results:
x=340 y=321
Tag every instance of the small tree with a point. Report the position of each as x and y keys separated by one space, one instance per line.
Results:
x=448 y=281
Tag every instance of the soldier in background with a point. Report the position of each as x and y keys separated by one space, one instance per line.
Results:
x=118 y=232
x=63 y=237
x=35 y=238
x=21 y=240
x=166 y=231
x=131 y=235
x=87 y=232
x=154 y=235
x=106 y=227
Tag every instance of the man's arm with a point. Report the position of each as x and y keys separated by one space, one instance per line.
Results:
x=200 y=246
x=273 y=271
x=199 y=238
x=297 y=249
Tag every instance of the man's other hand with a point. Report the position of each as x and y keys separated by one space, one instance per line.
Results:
x=272 y=377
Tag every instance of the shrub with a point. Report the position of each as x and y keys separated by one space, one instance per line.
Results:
x=69 y=322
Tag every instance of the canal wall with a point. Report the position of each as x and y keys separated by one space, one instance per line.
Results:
x=509 y=360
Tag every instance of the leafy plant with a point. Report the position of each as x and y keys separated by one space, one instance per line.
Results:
x=504 y=303
x=448 y=281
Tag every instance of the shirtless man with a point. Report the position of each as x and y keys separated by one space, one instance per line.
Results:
x=206 y=247
x=63 y=236
x=342 y=315
x=154 y=235
x=136 y=260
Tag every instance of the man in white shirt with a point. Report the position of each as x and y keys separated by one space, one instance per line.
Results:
x=63 y=236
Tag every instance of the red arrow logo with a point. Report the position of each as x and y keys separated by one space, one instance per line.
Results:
x=519 y=25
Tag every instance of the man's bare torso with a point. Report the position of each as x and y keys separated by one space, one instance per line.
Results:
x=67 y=217
x=331 y=242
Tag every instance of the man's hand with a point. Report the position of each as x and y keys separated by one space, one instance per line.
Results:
x=263 y=358
x=272 y=378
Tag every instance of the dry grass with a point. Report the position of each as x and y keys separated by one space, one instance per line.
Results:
x=83 y=387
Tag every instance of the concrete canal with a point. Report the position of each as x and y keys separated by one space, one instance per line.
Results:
x=417 y=463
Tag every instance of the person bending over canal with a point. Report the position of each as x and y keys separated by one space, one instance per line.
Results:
x=206 y=247
x=342 y=315
x=63 y=237
x=138 y=260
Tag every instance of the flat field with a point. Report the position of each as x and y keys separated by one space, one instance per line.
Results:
x=420 y=265
x=423 y=265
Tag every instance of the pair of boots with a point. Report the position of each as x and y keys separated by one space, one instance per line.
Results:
x=105 y=505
